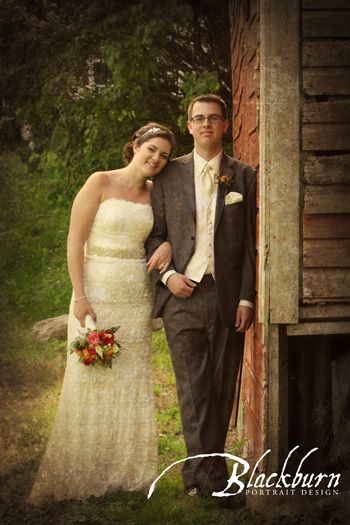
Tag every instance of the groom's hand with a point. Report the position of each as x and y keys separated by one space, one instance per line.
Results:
x=180 y=285
x=244 y=318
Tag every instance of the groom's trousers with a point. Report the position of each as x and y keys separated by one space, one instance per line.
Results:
x=206 y=357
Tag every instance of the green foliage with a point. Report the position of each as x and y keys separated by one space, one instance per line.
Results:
x=194 y=85
x=237 y=446
x=155 y=59
x=35 y=283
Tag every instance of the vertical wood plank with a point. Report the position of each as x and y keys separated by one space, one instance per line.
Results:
x=279 y=162
x=245 y=53
x=277 y=411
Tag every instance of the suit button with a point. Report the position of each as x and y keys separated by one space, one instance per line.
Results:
x=192 y=237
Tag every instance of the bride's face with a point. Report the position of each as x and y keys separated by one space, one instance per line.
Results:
x=152 y=156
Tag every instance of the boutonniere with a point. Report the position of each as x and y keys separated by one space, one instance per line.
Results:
x=223 y=181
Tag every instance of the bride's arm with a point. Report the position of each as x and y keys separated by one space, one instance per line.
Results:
x=83 y=212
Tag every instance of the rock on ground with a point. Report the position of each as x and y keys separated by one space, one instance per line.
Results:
x=158 y=325
x=53 y=328
x=56 y=328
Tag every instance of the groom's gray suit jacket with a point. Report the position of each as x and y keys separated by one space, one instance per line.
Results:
x=174 y=207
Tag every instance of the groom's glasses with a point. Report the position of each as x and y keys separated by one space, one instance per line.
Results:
x=199 y=119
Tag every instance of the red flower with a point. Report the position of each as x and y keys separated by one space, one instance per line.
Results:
x=93 y=338
x=92 y=351
x=106 y=340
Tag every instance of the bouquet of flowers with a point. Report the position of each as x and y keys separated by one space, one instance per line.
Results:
x=96 y=347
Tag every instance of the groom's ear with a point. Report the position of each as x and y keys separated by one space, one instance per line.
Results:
x=189 y=125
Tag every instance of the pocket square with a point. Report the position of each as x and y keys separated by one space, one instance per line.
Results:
x=233 y=197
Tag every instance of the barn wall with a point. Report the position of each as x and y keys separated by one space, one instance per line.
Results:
x=322 y=334
x=326 y=151
x=245 y=52
x=291 y=84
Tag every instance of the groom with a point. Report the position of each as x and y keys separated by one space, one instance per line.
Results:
x=206 y=297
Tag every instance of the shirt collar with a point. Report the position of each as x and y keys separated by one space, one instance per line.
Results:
x=200 y=162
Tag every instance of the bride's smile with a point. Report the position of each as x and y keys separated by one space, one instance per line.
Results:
x=152 y=155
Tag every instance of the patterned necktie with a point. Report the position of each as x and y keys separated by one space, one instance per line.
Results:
x=206 y=182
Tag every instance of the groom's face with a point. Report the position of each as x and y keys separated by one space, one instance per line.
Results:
x=207 y=135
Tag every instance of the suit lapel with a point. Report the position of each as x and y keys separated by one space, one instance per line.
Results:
x=226 y=168
x=187 y=179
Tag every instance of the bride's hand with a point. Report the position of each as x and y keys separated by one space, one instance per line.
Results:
x=82 y=309
x=161 y=258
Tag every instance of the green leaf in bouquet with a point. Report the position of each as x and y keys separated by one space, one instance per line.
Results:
x=99 y=351
x=114 y=329
x=75 y=344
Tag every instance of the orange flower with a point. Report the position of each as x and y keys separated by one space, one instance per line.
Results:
x=110 y=352
x=223 y=181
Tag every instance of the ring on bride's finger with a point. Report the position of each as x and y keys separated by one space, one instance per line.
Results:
x=162 y=265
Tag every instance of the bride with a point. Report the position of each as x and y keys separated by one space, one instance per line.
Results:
x=104 y=435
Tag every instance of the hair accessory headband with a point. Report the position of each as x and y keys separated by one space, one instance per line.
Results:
x=152 y=130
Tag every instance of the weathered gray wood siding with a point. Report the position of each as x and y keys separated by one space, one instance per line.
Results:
x=326 y=151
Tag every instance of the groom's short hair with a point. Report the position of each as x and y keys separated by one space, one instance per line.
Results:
x=208 y=97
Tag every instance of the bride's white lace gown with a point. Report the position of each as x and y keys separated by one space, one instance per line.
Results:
x=104 y=435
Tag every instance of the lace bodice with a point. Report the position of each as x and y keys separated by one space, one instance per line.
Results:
x=120 y=229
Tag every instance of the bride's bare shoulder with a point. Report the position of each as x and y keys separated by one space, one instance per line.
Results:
x=102 y=179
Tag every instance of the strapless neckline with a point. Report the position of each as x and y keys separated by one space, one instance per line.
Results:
x=123 y=200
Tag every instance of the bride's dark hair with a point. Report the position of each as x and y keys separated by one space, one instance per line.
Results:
x=146 y=133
